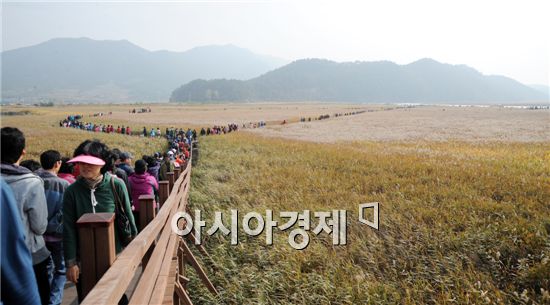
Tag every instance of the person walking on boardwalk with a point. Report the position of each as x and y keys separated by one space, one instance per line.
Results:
x=165 y=166
x=18 y=281
x=95 y=191
x=28 y=190
x=66 y=171
x=142 y=183
x=54 y=188
x=126 y=163
x=153 y=166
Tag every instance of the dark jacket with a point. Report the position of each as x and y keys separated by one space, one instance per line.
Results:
x=120 y=173
x=127 y=168
x=54 y=188
x=154 y=170
x=165 y=167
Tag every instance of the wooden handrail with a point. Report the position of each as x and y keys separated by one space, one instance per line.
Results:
x=177 y=171
x=163 y=252
x=116 y=280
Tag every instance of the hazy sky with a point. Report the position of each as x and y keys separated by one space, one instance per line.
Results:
x=510 y=38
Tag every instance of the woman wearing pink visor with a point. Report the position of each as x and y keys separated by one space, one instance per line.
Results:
x=93 y=192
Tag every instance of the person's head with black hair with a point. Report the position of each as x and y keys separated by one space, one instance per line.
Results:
x=79 y=150
x=125 y=157
x=66 y=168
x=13 y=145
x=98 y=150
x=116 y=155
x=151 y=161
x=32 y=165
x=51 y=160
x=140 y=167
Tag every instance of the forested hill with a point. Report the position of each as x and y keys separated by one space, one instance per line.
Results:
x=425 y=81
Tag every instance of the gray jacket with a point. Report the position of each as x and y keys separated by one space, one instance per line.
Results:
x=28 y=190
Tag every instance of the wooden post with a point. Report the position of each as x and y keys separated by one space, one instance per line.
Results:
x=177 y=171
x=181 y=261
x=171 y=180
x=146 y=210
x=97 y=247
x=164 y=191
x=146 y=215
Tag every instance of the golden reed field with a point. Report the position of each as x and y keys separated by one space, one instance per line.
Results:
x=464 y=198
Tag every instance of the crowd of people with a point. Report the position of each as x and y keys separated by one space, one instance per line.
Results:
x=74 y=121
x=219 y=129
x=42 y=201
x=254 y=124
x=142 y=110
x=172 y=133
x=327 y=116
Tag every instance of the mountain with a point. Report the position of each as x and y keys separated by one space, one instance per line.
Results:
x=423 y=81
x=542 y=88
x=86 y=70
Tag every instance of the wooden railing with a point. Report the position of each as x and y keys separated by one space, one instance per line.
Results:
x=161 y=253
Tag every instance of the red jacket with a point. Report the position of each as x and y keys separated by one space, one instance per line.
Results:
x=67 y=177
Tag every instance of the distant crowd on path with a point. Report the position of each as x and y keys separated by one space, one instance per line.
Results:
x=42 y=201
x=254 y=124
x=219 y=129
x=74 y=121
x=327 y=116
x=142 y=110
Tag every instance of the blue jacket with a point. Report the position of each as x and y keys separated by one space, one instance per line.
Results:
x=127 y=168
x=54 y=187
x=154 y=170
x=18 y=281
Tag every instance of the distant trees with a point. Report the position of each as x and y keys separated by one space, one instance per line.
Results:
x=44 y=104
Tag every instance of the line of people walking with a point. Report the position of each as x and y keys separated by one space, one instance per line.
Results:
x=73 y=121
x=42 y=202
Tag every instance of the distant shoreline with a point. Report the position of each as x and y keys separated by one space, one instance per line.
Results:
x=519 y=105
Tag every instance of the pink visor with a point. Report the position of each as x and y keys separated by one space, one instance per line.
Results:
x=87 y=159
